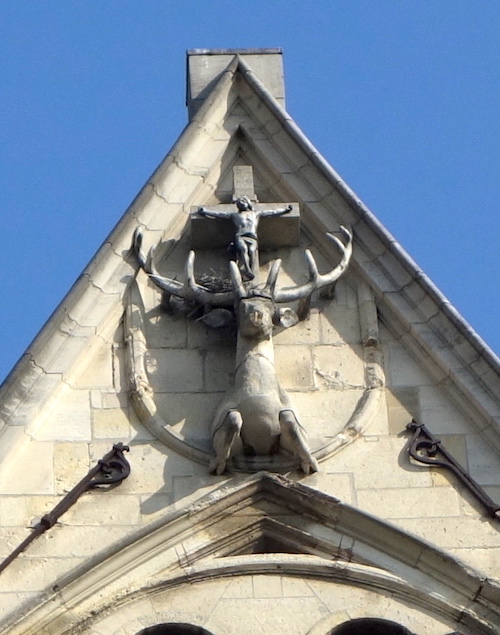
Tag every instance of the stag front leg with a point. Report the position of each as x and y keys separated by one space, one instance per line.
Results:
x=293 y=440
x=223 y=440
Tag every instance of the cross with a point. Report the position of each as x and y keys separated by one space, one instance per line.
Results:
x=248 y=225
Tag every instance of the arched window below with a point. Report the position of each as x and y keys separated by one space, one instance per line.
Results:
x=370 y=626
x=174 y=629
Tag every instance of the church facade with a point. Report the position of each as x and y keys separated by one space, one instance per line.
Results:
x=300 y=434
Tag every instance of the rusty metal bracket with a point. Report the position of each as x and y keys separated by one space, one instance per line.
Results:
x=112 y=469
x=425 y=448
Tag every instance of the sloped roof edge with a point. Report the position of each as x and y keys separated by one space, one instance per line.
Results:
x=341 y=186
x=26 y=374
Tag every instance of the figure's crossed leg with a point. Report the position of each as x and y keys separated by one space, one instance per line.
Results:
x=294 y=441
x=223 y=440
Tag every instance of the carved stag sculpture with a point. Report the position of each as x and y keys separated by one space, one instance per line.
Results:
x=256 y=416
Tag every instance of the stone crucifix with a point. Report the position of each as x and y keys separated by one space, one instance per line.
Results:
x=245 y=223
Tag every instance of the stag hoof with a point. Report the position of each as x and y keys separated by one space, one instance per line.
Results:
x=310 y=465
x=217 y=467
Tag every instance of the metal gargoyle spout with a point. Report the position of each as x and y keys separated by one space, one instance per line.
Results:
x=256 y=416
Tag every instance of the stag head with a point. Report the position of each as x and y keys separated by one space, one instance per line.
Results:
x=255 y=304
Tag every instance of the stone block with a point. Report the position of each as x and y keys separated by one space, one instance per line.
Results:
x=76 y=542
x=340 y=324
x=294 y=367
x=439 y=414
x=166 y=331
x=320 y=184
x=416 y=502
x=188 y=489
x=295 y=587
x=485 y=560
x=62 y=349
x=154 y=506
x=402 y=406
x=338 y=367
x=259 y=616
x=325 y=413
x=33 y=390
x=148 y=468
x=139 y=432
x=27 y=574
x=267 y=586
x=97 y=370
x=402 y=369
x=179 y=188
x=10 y=538
x=175 y=370
x=239 y=588
x=111 y=423
x=10 y=601
x=190 y=414
x=32 y=471
x=306 y=332
x=94 y=307
x=95 y=399
x=380 y=465
x=461 y=532
x=65 y=418
x=24 y=511
x=120 y=380
x=125 y=622
x=203 y=337
x=338 y=485
x=273 y=232
x=97 y=508
x=219 y=370
x=482 y=461
x=71 y=463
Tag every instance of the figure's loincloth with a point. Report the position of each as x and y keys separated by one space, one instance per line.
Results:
x=247 y=236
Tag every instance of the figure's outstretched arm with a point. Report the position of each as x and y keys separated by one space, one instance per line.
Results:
x=213 y=214
x=276 y=212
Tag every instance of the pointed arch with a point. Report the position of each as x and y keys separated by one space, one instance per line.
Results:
x=313 y=529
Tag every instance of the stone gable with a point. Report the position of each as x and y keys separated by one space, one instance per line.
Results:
x=372 y=535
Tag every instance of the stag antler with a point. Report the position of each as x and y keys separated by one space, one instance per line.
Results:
x=317 y=280
x=190 y=289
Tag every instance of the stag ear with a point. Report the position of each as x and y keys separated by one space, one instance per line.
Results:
x=285 y=317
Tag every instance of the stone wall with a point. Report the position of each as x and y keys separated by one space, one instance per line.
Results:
x=323 y=364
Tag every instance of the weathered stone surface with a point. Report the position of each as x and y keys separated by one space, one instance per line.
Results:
x=38 y=478
x=338 y=367
x=294 y=367
x=71 y=463
x=402 y=406
x=410 y=503
x=175 y=370
x=68 y=418
x=111 y=423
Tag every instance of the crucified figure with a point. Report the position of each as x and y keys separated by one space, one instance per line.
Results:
x=246 y=220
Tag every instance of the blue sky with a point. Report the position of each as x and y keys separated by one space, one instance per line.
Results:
x=402 y=98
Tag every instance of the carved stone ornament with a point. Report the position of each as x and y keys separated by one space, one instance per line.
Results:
x=255 y=425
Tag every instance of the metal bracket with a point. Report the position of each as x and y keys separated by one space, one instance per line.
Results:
x=425 y=448
x=112 y=469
